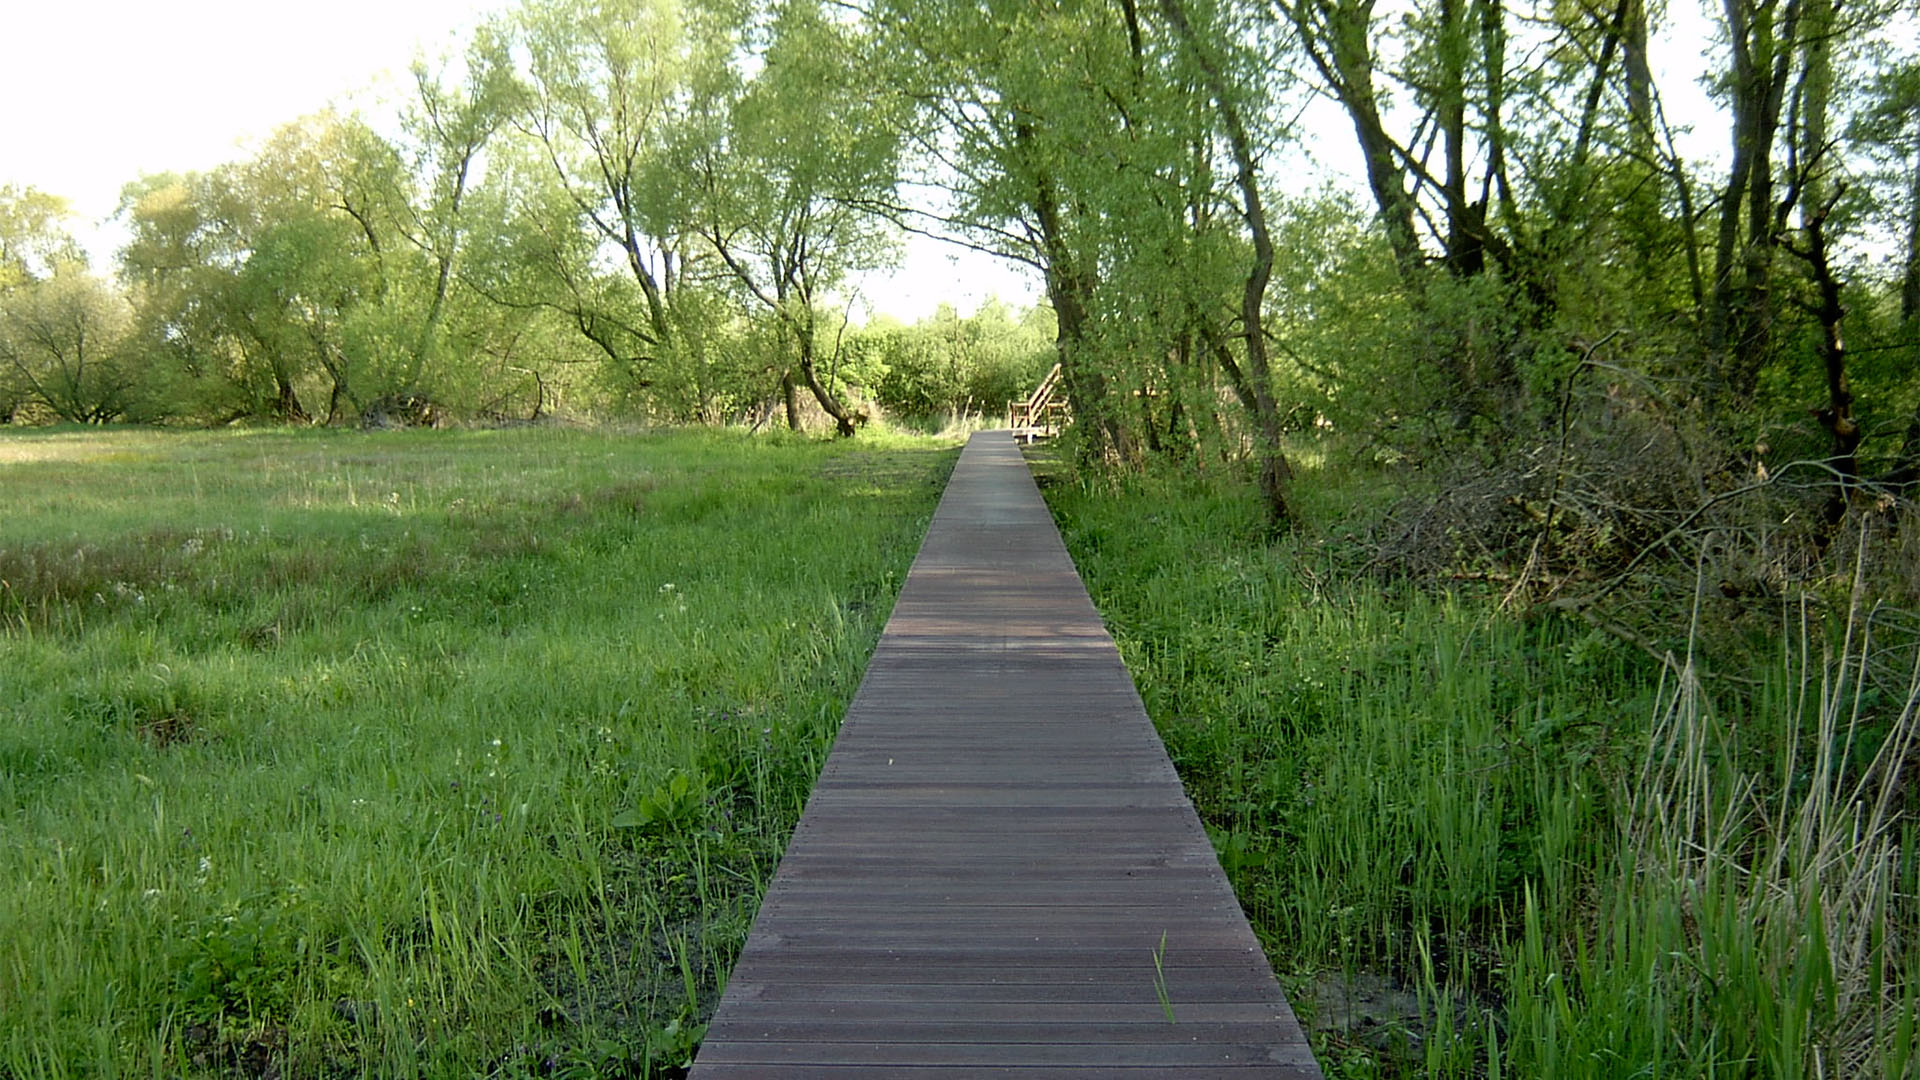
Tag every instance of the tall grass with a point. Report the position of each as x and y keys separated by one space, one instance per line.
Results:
x=320 y=753
x=1756 y=924
x=1568 y=861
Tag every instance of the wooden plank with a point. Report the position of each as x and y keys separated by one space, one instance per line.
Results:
x=1196 y=992
x=890 y=1010
x=998 y=871
x=734 y=1071
x=816 y=899
x=877 y=1030
x=1099 y=1052
x=959 y=963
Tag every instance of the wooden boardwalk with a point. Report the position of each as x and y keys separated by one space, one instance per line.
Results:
x=997 y=849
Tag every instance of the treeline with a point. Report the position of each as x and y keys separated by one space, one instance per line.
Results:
x=658 y=206
x=649 y=209
x=1527 y=217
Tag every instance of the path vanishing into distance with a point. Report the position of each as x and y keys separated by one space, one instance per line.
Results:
x=998 y=872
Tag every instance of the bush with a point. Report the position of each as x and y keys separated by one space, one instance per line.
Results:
x=949 y=366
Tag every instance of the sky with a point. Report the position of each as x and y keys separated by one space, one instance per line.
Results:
x=100 y=92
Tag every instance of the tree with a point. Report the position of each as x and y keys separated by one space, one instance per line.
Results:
x=450 y=122
x=1337 y=37
x=607 y=89
x=1015 y=100
x=63 y=347
x=62 y=330
x=1255 y=383
x=1812 y=164
x=270 y=273
x=528 y=257
x=806 y=145
x=1887 y=128
x=33 y=239
x=948 y=365
x=1118 y=151
x=1763 y=38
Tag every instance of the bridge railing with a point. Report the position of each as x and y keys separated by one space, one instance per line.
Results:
x=1042 y=413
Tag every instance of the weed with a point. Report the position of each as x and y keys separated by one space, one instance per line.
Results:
x=1562 y=866
x=673 y=804
x=1160 y=979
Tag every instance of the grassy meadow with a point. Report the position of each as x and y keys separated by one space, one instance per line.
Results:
x=413 y=753
x=1479 y=845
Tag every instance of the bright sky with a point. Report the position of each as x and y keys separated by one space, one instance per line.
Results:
x=1328 y=153
x=98 y=92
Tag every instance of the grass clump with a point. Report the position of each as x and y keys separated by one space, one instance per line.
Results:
x=316 y=748
x=1478 y=843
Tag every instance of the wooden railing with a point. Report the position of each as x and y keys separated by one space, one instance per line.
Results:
x=1043 y=413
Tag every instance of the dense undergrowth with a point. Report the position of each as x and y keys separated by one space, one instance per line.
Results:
x=413 y=753
x=1478 y=842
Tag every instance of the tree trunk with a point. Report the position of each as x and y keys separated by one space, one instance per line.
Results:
x=1276 y=475
x=1575 y=189
x=1466 y=255
x=1817 y=197
x=790 y=398
x=844 y=421
x=286 y=405
x=1493 y=60
x=1837 y=416
x=1740 y=321
x=1149 y=425
x=1336 y=35
x=1639 y=74
x=1643 y=218
x=1910 y=281
x=649 y=288
x=1689 y=232
x=1070 y=293
x=801 y=326
x=1724 y=315
x=1087 y=390
x=443 y=256
x=1906 y=471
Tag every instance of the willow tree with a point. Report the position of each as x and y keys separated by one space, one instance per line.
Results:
x=1010 y=107
x=270 y=274
x=1506 y=148
x=458 y=107
x=793 y=158
x=607 y=87
x=1888 y=128
x=1119 y=150
x=63 y=330
x=1235 y=100
x=1763 y=37
x=33 y=236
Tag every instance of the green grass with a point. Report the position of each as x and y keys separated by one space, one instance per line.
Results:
x=1413 y=788
x=430 y=753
